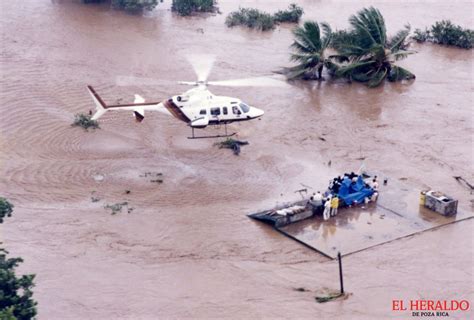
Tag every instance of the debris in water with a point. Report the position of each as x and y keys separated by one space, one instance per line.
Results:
x=98 y=177
x=322 y=139
x=156 y=177
x=301 y=289
x=94 y=198
x=117 y=207
x=461 y=179
x=233 y=144
x=331 y=296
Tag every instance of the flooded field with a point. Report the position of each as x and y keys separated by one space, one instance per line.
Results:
x=187 y=249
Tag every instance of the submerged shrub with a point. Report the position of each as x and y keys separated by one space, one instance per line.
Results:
x=292 y=14
x=85 y=121
x=135 y=5
x=421 y=36
x=187 y=7
x=129 y=5
x=252 y=18
x=447 y=33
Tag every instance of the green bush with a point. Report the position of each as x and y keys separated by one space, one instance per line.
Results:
x=292 y=14
x=252 y=18
x=85 y=121
x=447 y=33
x=187 y=7
x=6 y=209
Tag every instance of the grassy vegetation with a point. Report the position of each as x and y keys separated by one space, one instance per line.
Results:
x=256 y=19
x=85 y=121
x=446 y=33
x=187 y=7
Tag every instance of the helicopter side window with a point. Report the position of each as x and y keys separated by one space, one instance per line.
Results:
x=224 y=110
x=215 y=111
x=236 y=110
x=245 y=108
x=203 y=112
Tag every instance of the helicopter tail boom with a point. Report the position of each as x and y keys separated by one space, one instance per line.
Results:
x=100 y=105
x=138 y=107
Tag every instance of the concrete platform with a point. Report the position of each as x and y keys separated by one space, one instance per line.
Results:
x=396 y=214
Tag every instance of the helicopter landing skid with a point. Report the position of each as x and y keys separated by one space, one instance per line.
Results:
x=215 y=136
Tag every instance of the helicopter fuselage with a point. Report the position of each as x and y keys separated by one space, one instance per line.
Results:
x=199 y=108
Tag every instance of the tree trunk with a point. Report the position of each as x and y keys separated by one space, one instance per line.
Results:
x=320 y=72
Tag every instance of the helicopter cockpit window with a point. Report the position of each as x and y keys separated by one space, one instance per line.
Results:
x=224 y=110
x=203 y=112
x=235 y=110
x=245 y=108
x=215 y=111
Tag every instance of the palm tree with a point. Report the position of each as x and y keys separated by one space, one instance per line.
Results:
x=368 y=53
x=309 y=48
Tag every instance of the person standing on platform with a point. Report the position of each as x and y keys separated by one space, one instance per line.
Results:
x=334 y=205
x=327 y=208
x=318 y=201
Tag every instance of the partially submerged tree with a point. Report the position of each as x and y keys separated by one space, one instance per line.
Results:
x=368 y=53
x=309 y=51
x=15 y=292
x=16 y=302
x=187 y=7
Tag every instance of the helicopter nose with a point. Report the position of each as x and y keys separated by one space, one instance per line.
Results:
x=256 y=112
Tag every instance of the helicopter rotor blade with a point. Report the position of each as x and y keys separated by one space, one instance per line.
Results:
x=270 y=81
x=132 y=81
x=202 y=65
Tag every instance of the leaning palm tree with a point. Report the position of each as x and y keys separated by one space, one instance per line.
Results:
x=368 y=54
x=309 y=51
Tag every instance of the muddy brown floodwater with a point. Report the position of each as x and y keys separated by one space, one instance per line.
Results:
x=187 y=250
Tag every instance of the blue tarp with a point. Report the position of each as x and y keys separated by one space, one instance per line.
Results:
x=354 y=191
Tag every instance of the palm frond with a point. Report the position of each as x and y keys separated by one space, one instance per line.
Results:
x=377 y=78
x=401 y=54
x=397 y=42
x=351 y=68
x=327 y=35
x=398 y=73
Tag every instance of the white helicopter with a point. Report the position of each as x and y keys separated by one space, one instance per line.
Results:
x=197 y=107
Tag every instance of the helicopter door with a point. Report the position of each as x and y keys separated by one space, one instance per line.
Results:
x=225 y=113
x=215 y=113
